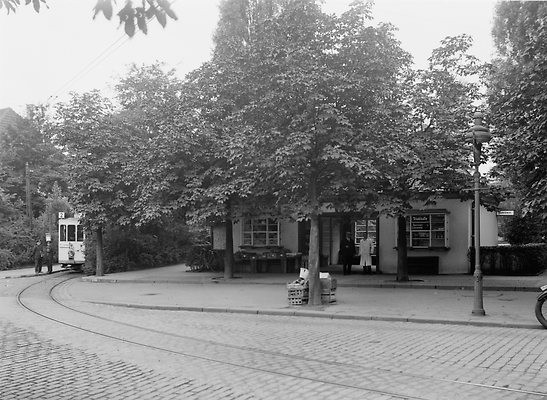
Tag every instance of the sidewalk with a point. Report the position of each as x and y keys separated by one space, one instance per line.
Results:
x=27 y=272
x=508 y=301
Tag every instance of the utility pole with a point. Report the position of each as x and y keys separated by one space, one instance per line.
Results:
x=27 y=187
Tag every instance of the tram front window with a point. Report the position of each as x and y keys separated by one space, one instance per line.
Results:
x=71 y=233
x=62 y=233
x=79 y=233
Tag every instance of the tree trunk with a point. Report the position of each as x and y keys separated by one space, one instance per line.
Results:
x=100 y=255
x=229 y=252
x=402 y=262
x=313 y=261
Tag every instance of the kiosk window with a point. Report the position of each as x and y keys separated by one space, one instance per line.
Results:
x=365 y=227
x=426 y=230
x=261 y=232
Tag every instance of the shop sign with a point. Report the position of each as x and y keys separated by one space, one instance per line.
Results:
x=506 y=212
x=420 y=222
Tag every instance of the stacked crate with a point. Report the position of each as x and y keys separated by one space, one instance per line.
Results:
x=328 y=290
x=297 y=293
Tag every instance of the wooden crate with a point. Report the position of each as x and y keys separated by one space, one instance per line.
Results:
x=328 y=296
x=296 y=301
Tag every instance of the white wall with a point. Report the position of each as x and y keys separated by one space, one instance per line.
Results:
x=489 y=228
x=288 y=235
x=452 y=260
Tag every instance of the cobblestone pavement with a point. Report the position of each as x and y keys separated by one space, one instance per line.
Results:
x=152 y=354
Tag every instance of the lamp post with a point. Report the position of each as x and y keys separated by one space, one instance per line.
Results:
x=480 y=135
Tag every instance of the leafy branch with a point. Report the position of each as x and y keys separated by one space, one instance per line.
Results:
x=131 y=16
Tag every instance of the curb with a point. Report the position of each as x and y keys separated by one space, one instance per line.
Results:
x=315 y=314
x=364 y=285
x=31 y=275
x=446 y=287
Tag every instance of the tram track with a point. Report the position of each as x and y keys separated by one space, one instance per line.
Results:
x=334 y=364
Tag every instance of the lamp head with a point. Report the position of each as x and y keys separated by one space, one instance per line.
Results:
x=479 y=132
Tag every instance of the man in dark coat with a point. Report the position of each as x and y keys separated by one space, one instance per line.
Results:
x=347 y=251
x=49 y=258
x=38 y=257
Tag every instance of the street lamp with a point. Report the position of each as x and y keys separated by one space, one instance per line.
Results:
x=480 y=135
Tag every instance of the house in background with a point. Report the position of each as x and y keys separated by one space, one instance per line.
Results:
x=438 y=237
x=8 y=118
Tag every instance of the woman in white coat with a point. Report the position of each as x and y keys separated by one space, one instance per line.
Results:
x=366 y=248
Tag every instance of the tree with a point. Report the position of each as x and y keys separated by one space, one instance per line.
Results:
x=161 y=149
x=130 y=15
x=94 y=140
x=433 y=155
x=213 y=95
x=17 y=238
x=216 y=186
x=130 y=165
x=517 y=99
x=318 y=93
x=24 y=145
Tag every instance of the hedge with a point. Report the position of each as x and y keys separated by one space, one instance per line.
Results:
x=527 y=259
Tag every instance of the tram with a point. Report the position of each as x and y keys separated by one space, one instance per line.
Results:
x=71 y=243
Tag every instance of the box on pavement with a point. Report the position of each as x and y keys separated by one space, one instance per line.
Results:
x=328 y=283
x=298 y=291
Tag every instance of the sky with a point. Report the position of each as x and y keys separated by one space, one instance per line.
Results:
x=45 y=56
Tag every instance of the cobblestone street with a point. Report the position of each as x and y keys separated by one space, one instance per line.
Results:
x=158 y=354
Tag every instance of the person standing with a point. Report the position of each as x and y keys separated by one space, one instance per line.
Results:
x=366 y=248
x=347 y=251
x=38 y=257
x=49 y=258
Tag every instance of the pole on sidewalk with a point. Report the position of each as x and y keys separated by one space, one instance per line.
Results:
x=478 y=308
x=480 y=134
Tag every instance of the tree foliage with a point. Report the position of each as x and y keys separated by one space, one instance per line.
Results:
x=321 y=97
x=132 y=16
x=11 y=5
x=93 y=139
x=438 y=107
x=127 y=164
x=517 y=97
x=16 y=236
x=160 y=150
x=22 y=145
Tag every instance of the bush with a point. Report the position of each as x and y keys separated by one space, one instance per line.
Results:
x=17 y=238
x=127 y=249
x=202 y=257
x=7 y=260
x=528 y=259
x=522 y=230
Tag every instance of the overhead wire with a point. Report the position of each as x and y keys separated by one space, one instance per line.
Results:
x=95 y=62
x=111 y=49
